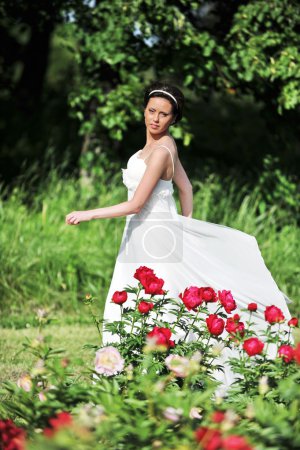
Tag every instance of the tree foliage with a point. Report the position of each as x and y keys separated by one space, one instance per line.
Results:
x=226 y=46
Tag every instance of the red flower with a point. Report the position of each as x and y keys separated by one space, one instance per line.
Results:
x=208 y=294
x=233 y=326
x=235 y=443
x=145 y=307
x=218 y=416
x=293 y=322
x=286 y=352
x=253 y=346
x=11 y=437
x=192 y=297
x=119 y=297
x=142 y=272
x=227 y=301
x=273 y=314
x=252 y=307
x=209 y=438
x=162 y=336
x=153 y=285
x=61 y=420
x=297 y=354
x=215 y=324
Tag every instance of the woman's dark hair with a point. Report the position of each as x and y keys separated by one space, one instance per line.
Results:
x=173 y=90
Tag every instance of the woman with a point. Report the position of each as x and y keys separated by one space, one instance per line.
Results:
x=181 y=250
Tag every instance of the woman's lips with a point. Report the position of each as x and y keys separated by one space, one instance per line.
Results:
x=154 y=126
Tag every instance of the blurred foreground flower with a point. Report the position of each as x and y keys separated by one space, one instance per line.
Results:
x=181 y=366
x=11 y=437
x=173 y=414
x=25 y=382
x=61 y=420
x=108 y=361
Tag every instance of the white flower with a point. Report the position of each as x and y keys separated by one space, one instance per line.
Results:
x=263 y=385
x=108 y=361
x=195 y=413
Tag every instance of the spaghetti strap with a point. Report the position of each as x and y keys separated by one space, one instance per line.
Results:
x=161 y=145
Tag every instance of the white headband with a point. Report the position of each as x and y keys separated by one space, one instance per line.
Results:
x=165 y=92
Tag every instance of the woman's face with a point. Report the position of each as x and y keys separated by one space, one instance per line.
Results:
x=158 y=115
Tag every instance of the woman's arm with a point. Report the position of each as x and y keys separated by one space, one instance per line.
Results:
x=185 y=189
x=156 y=166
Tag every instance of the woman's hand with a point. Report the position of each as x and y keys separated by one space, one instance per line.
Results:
x=75 y=217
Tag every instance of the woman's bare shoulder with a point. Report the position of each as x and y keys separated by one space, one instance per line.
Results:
x=169 y=142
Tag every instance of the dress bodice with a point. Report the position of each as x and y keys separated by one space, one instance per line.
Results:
x=133 y=174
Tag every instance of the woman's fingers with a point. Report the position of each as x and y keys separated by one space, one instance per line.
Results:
x=72 y=219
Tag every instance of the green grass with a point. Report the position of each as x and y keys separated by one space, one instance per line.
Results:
x=14 y=361
x=44 y=262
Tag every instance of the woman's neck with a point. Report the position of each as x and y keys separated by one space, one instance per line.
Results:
x=152 y=138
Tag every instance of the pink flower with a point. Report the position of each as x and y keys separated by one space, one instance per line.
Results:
x=153 y=285
x=218 y=416
x=235 y=442
x=161 y=336
x=215 y=324
x=25 y=383
x=253 y=346
x=108 y=361
x=208 y=438
x=293 y=322
x=286 y=352
x=145 y=307
x=227 y=301
x=208 y=294
x=252 y=307
x=273 y=314
x=297 y=354
x=119 y=297
x=192 y=297
x=234 y=326
x=172 y=414
x=142 y=272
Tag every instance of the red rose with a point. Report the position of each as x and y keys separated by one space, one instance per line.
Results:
x=253 y=346
x=227 y=301
x=293 y=322
x=208 y=294
x=11 y=436
x=234 y=326
x=252 y=307
x=209 y=438
x=153 y=285
x=297 y=354
x=286 y=352
x=273 y=314
x=61 y=420
x=162 y=336
x=215 y=324
x=235 y=443
x=145 y=307
x=218 y=416
x=141 y=272
x=119 y=297
x=192 y=297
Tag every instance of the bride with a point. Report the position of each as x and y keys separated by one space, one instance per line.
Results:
x=182 y=250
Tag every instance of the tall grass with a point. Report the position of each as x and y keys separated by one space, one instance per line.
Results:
x=44 y=262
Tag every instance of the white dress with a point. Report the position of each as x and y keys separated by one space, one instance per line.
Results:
x=188 y=252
